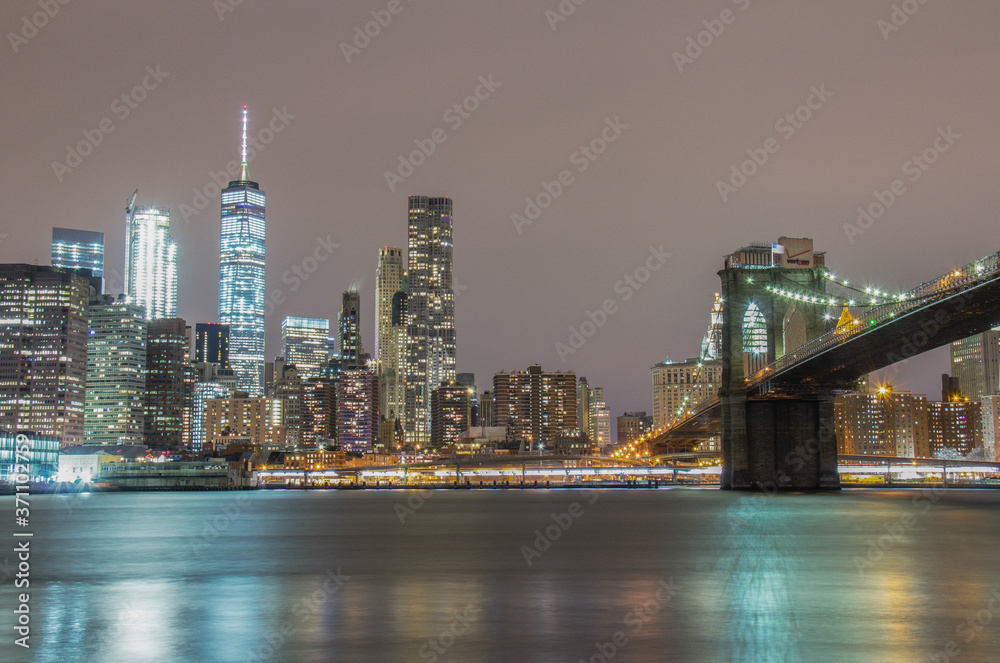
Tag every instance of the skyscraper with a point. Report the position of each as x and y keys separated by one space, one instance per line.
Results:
x=150 y=261
x=357 y=409
x=431 y=354
x=211 y=344
x=600 y=418
x=389 y=280
x=975 y=362
x=43 y=351
x=169 y=385
x=78 y=249
x=116 y=371
x=351 y=350
x=241 y=276
x=535 y=407
x=451 y=413
x=304 y=345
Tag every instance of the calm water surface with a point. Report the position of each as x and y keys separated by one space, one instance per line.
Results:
x=636 y=575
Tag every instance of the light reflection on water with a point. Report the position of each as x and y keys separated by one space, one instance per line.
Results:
x=138 y=577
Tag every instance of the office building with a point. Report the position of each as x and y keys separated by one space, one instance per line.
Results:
x=633 y=425
x=678 y=387
x=150 y=261
x=211 y=344
x=116 y=371
x=536 y=407
x=75 y=250
x=431 y=354
x=349 y=323
x=487 y=410
x=43 y=351
x=975 y=363
x=169 y=385
x=241 y=276
x=451 y=413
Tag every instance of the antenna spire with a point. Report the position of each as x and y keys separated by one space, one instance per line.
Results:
x=244 y=176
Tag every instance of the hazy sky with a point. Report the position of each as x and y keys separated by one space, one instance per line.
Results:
x=679 y=126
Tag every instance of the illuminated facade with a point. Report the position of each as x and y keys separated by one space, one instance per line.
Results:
x=535 y=407
x=711 y=345
x=150 y=261
x=990 y=408
x=884 y=423
x=633 y=425
x=357 y=409
x=975 y=362
x=241 y=276
x=212 y=382
x=451 y=413
x=78 y=249
x=288 y=387
x=43 y=351
x=349 y=324
x=390 y=343
x=169 y=385
x=116 y=371
x=599 y=430
x=680 y=386
x=211 y=344
x=431 y=353
x=252 y=420
x=954 y=427
x=304 y=345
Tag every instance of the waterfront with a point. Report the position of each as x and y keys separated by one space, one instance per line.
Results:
x=642 y=575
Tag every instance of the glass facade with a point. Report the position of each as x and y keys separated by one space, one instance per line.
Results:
x=304 y=345
x=241 y=279
x=42 y=452
x=151 y=262
x=78 y=249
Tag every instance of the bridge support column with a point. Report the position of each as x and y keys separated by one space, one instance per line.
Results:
x=779 y=443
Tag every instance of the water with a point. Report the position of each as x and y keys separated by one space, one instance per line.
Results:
x=638 y=575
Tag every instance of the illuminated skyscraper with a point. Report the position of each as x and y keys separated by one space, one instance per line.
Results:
x=431 y=353
x=535 y=407
x=357 y=408
x=304 y=345
x=241 y=276
x=169 y=385
x=389 y=281
x=150 y=261
x=975 y=362
x=680 y=386
x=43 y=351
x=211 y=344
x=78 y=249
x=116 y=371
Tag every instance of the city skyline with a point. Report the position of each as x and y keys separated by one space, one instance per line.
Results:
x=812 y=186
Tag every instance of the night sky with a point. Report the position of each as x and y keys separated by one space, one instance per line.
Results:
x=680 y=122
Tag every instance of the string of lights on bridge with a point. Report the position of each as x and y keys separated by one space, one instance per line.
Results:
x=867 y=297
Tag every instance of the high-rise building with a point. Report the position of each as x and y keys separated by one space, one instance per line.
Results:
x=211 y=344
x=600 y=418
x=357 y=408
x=535 y=407
x=431 y=355
x=469 y=380
x=241 y=276
x=389 y=283
x=304 y=345
x=882 y=423
x=211 y=382
x=954 y=427
x=116 y=371
x=487 y=410
x=451 y=413
x=990 y=408
x=288 y=387
x=43 y=351
x=243 y=419
x=633 y=425
x=349 y=323
x=678 y=387
x=583 y=407
x=78 y=249
x=169 y=383
x=150 y=261
x=975 y=362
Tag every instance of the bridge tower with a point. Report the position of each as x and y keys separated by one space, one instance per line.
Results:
x=781 y=436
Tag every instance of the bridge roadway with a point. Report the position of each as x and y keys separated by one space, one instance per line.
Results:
x=952 y=307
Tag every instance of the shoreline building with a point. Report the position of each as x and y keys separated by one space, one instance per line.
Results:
x=535 y=407
x=43 y=351
x=241 y=275
x=430 y=304
x=150 y=261
x=883 y=423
